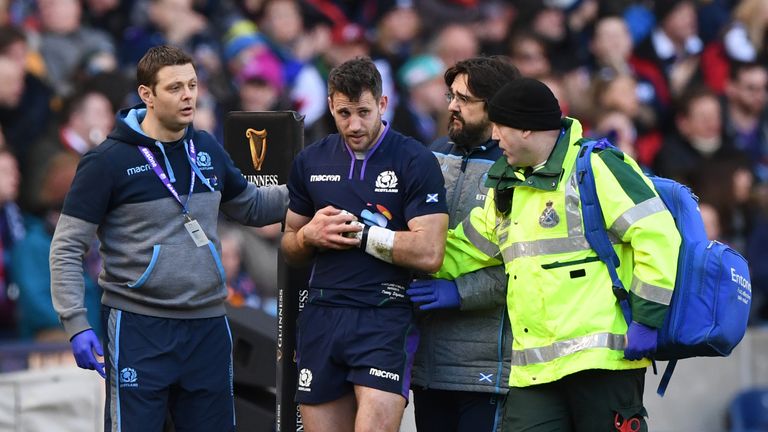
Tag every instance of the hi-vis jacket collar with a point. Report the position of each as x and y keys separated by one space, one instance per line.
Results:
x=503 y=176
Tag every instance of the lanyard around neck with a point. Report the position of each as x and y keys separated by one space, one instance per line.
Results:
x=152 y=161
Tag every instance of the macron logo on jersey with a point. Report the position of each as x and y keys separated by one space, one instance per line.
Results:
x=137 y=169
x=324 y=178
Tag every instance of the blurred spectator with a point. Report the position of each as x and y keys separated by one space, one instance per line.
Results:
x=259 y=255
x=173 y=22
x=745 y=118
x=746 y=38
x=757 y=254
x=529 y=54
x=283 y=27
x=440 y=12
x=13 y=44
x=241 y=43
x=743 y=40
x=421 y=111
x=11 y=233
x=12 y=77
x=261 y=85
x=712 y=166
x=241 y=288
x=86 y=119
x=364 y=13
x=711 y=220
x=550 y=21
x=611 y=49
x=455 y=42
x=556 y=84
x=698 y=141
x=673 y=47
x=24 y=109
x=614 y=90
x=206 y=117
x=494 y=25
x=66 y=44
x=397 y=35
x=29 y=260
x=618 y=128
x=713 y=17
x=110 y=16
x=282 y=24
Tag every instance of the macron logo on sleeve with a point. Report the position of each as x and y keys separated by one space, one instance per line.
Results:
x=384 y=374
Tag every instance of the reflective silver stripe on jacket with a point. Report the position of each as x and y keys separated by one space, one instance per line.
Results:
x=481 y=243
x=567 y=347
x=576 y=241
x=573 y=207
x=645 y=208
x=651 y=292
x=544 y=247
x=573 y=243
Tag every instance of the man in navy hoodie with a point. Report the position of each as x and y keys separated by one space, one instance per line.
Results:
x=152 y=192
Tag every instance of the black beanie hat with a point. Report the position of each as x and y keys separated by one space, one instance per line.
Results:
x=526 y=104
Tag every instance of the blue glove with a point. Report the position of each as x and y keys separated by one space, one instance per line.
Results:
x=83 y=345
x=435 y=294
x=641 y=341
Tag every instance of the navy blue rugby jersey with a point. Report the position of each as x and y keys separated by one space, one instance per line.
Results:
x=397 y=181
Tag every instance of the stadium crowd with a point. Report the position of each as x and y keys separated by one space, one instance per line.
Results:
x=681 y=85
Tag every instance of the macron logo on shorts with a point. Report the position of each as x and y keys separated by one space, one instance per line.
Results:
x=384 y=374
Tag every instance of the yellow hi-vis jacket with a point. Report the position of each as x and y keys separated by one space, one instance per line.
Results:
x=564 y=315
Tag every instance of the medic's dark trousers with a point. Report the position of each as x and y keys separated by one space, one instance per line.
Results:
x=589 y=401
x=157 y=366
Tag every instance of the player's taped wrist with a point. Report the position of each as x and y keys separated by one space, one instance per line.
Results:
x=376 y=241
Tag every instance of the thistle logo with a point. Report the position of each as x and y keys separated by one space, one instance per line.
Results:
x=305 y=380
x=128 y=377
x=386 y=182
x=204 y=161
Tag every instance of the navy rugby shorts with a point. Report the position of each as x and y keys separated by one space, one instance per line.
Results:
x=340 y=347
x=161 y=366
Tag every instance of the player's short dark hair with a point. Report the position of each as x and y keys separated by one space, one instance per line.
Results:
x=354 y=77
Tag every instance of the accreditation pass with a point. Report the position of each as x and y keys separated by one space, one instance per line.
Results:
x=194 y=230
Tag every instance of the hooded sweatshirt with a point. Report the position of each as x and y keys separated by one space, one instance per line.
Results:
x=151 y=264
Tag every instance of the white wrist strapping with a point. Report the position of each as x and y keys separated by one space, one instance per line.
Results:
x=378 y=242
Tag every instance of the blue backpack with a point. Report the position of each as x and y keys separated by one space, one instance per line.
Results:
x=710 y=304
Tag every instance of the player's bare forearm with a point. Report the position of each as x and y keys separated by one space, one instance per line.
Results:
x=423 y=246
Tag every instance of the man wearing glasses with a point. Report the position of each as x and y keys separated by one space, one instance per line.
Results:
x=459 y=385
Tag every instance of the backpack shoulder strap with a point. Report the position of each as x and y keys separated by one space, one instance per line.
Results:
x=594 y=222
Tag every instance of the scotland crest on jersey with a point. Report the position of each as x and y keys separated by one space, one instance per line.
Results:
x=386 y=182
